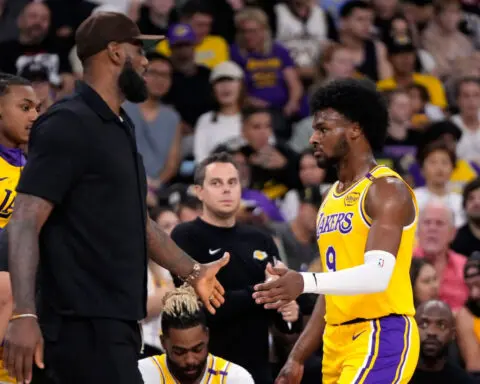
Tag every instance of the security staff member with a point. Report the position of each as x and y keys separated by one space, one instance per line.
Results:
x=81 y=210
x=239 y=329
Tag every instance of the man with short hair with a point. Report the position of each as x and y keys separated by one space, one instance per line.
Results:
x=83 y=174
x=185 y=338
x=436 y=324
x=467 y=239
x=370 y=56
x=239 y=330
x=436 y=231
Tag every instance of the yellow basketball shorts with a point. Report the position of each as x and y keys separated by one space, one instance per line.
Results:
x=380 y=351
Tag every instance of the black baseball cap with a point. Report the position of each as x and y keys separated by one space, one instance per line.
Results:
x=311 y=195
x=102 y=28
x=34 y=72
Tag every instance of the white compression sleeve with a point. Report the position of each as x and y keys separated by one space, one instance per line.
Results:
x=371 y=277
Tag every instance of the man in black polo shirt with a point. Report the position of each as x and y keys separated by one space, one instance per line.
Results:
x=239 y=329
x=81 y=210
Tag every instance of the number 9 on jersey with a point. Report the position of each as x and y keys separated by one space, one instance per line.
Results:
x=331 y=260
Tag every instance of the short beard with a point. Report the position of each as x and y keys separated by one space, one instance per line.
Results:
x=131 y=84
x=442 y=353
x=339 y=152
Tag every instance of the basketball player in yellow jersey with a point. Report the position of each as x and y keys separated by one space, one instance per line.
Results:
x=185 y=339
x=365 y=232
x=18 y=104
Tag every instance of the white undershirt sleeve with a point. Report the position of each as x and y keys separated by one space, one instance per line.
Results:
x=238 y=375
x=149 y=371
x=371 y=277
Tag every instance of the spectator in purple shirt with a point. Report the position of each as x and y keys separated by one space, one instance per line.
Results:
x=270 y=75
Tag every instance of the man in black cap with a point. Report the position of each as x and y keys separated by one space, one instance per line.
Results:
x=81 y=211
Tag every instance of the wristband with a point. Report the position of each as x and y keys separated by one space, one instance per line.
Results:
x=193 y=275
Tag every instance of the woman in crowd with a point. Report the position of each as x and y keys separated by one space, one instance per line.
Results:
x=425 y=283
x=336 y=62
x=271 y=78
x=225 y=122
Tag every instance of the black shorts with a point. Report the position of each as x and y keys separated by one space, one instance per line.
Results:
x=93 y=351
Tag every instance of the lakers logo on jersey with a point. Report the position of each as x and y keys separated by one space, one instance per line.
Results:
x=341 y=222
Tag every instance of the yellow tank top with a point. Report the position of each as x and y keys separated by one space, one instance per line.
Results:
x=342 y=231
x=11 y=165
x=476 y=328
x=216 y=373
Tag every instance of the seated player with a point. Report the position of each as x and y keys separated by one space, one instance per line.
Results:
x=18 y=111
x=185 y=340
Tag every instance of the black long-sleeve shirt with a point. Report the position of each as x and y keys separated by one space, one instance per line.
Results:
x=239 y=329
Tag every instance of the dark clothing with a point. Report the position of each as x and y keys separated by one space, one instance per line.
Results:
x=93 y=351
x=50 y=53
x=239 y=329
x=270 y=181
x=147 y=27
x=93 y=257
x=465 y=241
x=369 y=65
x=191 y=95
x=448 y=375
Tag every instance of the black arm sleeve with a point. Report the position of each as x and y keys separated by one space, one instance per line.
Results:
x=58 y=155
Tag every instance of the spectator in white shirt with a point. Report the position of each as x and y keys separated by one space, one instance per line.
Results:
x=437 y=162
x=225 y=122
x=185 y=338
x=468 y=120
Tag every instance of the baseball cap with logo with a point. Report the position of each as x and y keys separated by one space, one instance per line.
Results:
x=400 y=44
x=181 y=33
x=102 y=28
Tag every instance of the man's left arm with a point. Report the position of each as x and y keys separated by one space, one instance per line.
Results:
x=163 y=251
x=390 y=206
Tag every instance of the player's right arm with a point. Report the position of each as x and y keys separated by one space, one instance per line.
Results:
x=308 y=342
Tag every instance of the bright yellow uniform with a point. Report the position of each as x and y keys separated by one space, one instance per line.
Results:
x=11 y=165
x=476 y=327
x=369 y=338
x=155 y=370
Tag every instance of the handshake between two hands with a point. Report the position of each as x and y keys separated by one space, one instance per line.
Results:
x=290 y=311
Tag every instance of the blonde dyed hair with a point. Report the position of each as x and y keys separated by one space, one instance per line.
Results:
x=182 y=309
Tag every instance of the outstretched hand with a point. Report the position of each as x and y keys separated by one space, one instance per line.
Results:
x=279 y=291
x=208 y=287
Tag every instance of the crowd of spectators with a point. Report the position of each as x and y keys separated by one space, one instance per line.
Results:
x=236 y=75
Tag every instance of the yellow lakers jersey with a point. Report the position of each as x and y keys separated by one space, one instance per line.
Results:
x=11 y=165
x=342 y=231
x=216 y=372
x=476 y=327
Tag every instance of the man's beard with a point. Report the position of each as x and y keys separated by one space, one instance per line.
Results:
x=441 y=353
x=131 y=84
x=339 y=151
x=179 y=372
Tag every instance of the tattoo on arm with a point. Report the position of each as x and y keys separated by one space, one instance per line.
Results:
x=163 y=251
x=23 y=249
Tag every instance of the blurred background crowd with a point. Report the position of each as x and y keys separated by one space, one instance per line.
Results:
x=236 y=75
